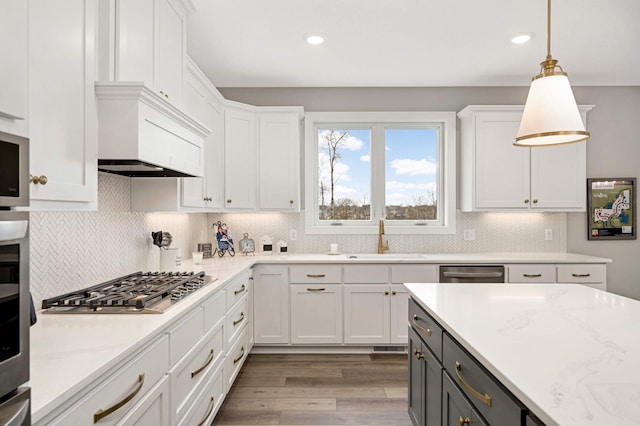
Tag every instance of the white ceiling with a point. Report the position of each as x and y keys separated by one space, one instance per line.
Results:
x=408 y=43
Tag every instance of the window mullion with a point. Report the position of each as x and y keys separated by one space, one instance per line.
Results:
x=377 y=172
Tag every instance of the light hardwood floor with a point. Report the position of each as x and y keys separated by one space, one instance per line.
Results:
x=326 y=389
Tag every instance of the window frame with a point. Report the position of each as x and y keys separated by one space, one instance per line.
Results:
x=394 y=119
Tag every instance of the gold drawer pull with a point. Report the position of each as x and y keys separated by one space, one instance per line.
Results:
x=42 y=180
x=315 y=289
x=194 y=373
x=243 y=288
x=209 y=410
x=532 y=275
x=235 y=361
x=240 y=320
x=315 y=275
x=418 y=354
x=580 y=275
x=100 y=414
x=464 y=421
x=427 y=331
x=484 y=398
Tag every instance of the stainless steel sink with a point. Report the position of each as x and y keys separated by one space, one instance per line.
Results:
x=385 y=256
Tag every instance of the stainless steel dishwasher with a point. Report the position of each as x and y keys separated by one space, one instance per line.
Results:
x=472 y=274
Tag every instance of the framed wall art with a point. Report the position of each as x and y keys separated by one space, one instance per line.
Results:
x=611 y=208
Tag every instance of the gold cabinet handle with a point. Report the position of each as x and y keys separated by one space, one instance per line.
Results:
x=236 y=322
x=427 y=331
x=42 y=180
x=393 y=293
x=386 y=293
x=243 y=288
x=194 y=373
x=290 y=201
x=484 y=398
x=464 y=421
x=532 y=275
x=535 y=201
x=418 y=354
x=100 y=414
x=235 y=361
x=526 y=201
x=229 y=200
x=209 y=410
x=315 y=289
x=580 y=275
x=315 y=275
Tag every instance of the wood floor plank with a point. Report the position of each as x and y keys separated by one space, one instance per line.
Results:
x=244 y=380
x=397 y=392
x=344 y=418
x=280 y=404
x=304 y=392
x=370 y=404
x=246 y=417
x=288 y=371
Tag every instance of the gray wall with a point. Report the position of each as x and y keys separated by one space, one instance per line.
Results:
x=612 y=151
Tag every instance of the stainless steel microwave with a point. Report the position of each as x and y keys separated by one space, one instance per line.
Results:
x=14 y=171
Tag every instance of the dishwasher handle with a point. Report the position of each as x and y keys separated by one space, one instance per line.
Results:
x=472 y=274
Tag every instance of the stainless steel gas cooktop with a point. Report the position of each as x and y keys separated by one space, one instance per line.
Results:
x=148 y=292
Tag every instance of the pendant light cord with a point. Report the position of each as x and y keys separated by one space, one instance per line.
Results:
x=548 y=29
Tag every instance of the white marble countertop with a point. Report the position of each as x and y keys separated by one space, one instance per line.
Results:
x=68 y=352
x=568 y=352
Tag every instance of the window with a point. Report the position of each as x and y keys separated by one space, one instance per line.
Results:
x=397 y=166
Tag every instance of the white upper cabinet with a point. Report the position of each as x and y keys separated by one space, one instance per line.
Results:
x=13 y=72
x=279 y=160
x=239 y=157
x=495 y=175
x=145 y=40
x=62 y=107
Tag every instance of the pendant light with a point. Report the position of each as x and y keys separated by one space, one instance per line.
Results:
x=551 y=116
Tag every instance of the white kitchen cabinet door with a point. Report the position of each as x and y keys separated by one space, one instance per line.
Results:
x=279 y=161
x=150 y=45
x=367 y=313
x=152 y=410
x=399 y=312
x=62 y=108
x=316 y=313
x=271 y=310
x=205 y=106
x=239 y=158
x=13 y=72
x=558 y=176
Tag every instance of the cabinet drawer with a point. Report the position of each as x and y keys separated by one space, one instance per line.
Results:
x=426 y=327
x=135 y=378
x=315 y=274
x=401 y=274
x=183 y=336
x=237 y=288
x=214 y=309
x=189 y=373
x=581 y=273
x=369 y=274
x=153 y=409
x=532 y=273
x=235 y=358
x=207 y=402
x=236 y=320
x=489 y=397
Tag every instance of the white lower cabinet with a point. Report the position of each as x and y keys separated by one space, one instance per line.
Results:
x=153 y=409
x=592 y=275
x=207 y=402
x=367 y=313
x=316 y=313
x=271 y=308
x=235 y=357
x=109 y=402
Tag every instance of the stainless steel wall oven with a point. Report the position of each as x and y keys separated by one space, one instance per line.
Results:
x=15 y=299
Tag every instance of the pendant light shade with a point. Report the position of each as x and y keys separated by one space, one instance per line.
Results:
x=551 y=115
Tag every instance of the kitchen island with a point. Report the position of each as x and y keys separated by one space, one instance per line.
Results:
x=570 y=354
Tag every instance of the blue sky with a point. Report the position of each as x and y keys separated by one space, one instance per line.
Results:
x=410 y=165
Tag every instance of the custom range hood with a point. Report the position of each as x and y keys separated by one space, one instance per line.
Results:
x=141 y=134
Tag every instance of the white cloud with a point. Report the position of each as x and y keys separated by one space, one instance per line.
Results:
x=350 y=143
x=340 y=171
x=365 y=158
x=409 y=167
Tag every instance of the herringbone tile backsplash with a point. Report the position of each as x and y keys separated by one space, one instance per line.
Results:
x=73 y=250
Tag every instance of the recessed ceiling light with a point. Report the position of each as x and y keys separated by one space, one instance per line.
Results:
x=314 y=38
x=522 y=38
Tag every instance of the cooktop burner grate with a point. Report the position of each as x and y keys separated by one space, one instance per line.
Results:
x=130 y=293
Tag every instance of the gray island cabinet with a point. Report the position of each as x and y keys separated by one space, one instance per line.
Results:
x=526 y=354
